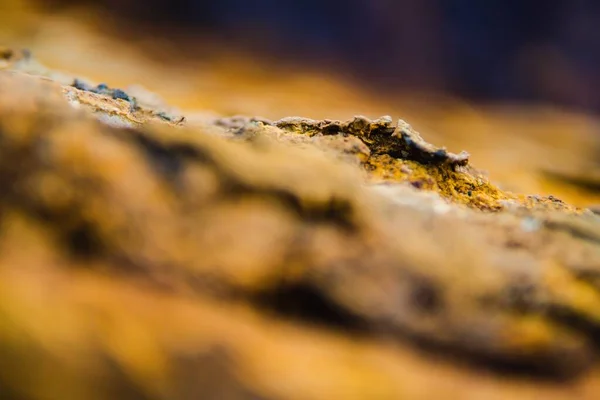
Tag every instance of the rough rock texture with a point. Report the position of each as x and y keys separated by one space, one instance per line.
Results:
x=143 y=256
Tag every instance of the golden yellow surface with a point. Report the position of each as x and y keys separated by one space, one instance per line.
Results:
x=155 y=262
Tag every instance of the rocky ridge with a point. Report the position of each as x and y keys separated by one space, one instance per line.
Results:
x=145 y=255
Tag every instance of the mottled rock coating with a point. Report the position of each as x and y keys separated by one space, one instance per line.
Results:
x=146 y=257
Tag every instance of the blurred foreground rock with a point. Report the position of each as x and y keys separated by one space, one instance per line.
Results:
x=147 y=256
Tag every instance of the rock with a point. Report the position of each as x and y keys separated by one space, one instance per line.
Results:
x=246 y=258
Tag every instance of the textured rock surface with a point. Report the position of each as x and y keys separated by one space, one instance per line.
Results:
x=145 y=256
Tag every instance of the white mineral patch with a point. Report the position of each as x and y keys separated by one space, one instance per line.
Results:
x=114 y=120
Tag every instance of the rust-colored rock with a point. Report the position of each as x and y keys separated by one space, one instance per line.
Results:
x=144 y=256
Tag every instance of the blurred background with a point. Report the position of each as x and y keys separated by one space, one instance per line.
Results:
x=492 y=50
x=514 y=82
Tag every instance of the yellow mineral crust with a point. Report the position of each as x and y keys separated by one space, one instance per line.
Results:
x=142 y=256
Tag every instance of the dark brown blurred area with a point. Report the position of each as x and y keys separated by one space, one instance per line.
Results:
x=494 y=50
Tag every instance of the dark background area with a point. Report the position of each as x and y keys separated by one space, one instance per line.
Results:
x=523 y=50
